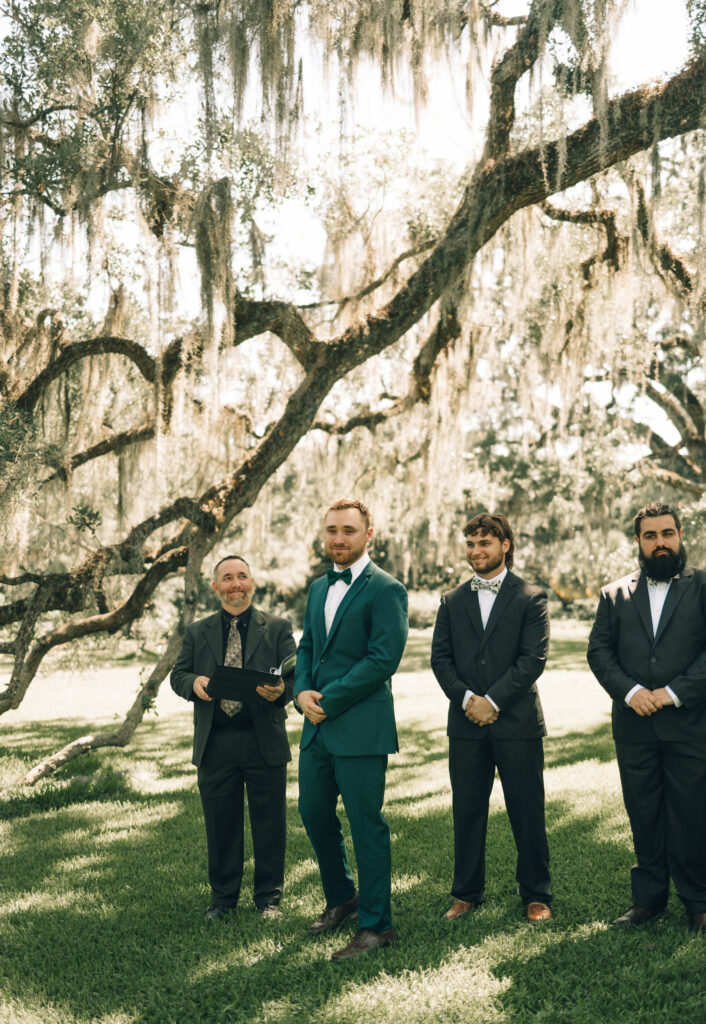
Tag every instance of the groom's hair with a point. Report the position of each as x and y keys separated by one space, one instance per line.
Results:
x=352 y=503
x=652 y=511
x=495 y=524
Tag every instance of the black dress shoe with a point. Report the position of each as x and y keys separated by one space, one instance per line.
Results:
x=637 y=916
x=218 y=912
x=364 y=941
x=697 y=922
x=334 y=918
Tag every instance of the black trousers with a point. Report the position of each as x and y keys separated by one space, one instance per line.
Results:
x=520 y=765
x=232 y=763
x=664 y=788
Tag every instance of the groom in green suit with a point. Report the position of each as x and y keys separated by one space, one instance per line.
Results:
x=355 y=629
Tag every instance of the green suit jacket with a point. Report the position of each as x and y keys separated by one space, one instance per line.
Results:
x=353 y=665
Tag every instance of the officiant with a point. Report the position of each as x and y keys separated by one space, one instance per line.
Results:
x=239 y=746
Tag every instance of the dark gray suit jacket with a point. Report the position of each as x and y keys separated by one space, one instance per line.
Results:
x=623 y=651
x=269 y=641
x=502 y=661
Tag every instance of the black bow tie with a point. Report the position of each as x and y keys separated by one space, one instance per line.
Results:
x=334 y=577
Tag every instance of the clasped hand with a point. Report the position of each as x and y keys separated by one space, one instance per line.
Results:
x=480 y=710
x=645 y=702
x=308 y=701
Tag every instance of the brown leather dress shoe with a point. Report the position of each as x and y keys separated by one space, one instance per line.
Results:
x=457 y=909
x=538 y=911
x=697 y=922
x=637 y=916
x=334 y=918
x=362 y=942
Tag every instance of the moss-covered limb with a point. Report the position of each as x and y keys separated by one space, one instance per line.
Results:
x=507 y=72
x=446 y=331
x=252 y=317
x=391 y=272
x=27 y=661
x=111 y=445
x=672 y=269
x=120 y=737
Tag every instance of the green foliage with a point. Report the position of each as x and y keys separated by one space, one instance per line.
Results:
x=85 y=518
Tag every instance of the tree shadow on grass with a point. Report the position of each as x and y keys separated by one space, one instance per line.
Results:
x=107 y=917
x=102 y=908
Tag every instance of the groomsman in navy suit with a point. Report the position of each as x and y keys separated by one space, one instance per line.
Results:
x=648 y=650
x=489 y=647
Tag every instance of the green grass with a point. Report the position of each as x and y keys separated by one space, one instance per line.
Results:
x=103 y=886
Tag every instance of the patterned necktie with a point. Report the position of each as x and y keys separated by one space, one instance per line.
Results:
x=233 y=659
x=492 y=585
x=334 y=577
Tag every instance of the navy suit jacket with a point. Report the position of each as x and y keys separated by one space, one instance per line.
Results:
x=623 y=651
x=502 y=661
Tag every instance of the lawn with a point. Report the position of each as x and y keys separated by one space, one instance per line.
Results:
x=103 y=882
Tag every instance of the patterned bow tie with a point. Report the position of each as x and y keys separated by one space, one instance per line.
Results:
x=334 y=577
x=492 y=585
x=656 y=583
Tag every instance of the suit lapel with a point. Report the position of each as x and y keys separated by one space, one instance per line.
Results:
x=505 y=595
x=356 y=588
x=256 y=628
x=214 y=636
x=638 y=588
x=674 y=595
x=318 y=600
x=470 y=603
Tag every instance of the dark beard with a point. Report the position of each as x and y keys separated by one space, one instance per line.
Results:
x=663 y=567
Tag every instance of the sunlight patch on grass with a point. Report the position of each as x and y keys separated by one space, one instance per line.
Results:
x=457 y=992
x=133 y=817
x=419 y=808
x=86 y=864
x=302 y=870
x=44 y=900
x=405 y=883
x=585 y=779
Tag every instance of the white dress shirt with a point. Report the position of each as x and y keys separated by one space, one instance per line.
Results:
x=337 y=591
x=657 y=593
x=486 y=600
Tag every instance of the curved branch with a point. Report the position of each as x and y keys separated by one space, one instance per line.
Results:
x=515 y=62
x=252 y=317
x=377 y=283
x=112 y=445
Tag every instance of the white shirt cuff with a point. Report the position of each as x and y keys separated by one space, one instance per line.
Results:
x=672 y=694
x=631 y=693
x=489 y=698
x=466 y=697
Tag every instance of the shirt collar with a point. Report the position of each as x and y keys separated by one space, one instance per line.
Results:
x=243 y=618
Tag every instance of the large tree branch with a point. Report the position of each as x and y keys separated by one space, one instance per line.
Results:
x=515 y=62
x=132 y=350
x=111 y=445
x=252 y=317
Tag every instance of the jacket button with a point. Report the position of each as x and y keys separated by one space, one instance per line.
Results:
x=653 y=660
x=323 y=660
x=483 y=661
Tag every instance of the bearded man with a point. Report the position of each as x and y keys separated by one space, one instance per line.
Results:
x=647 y=648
